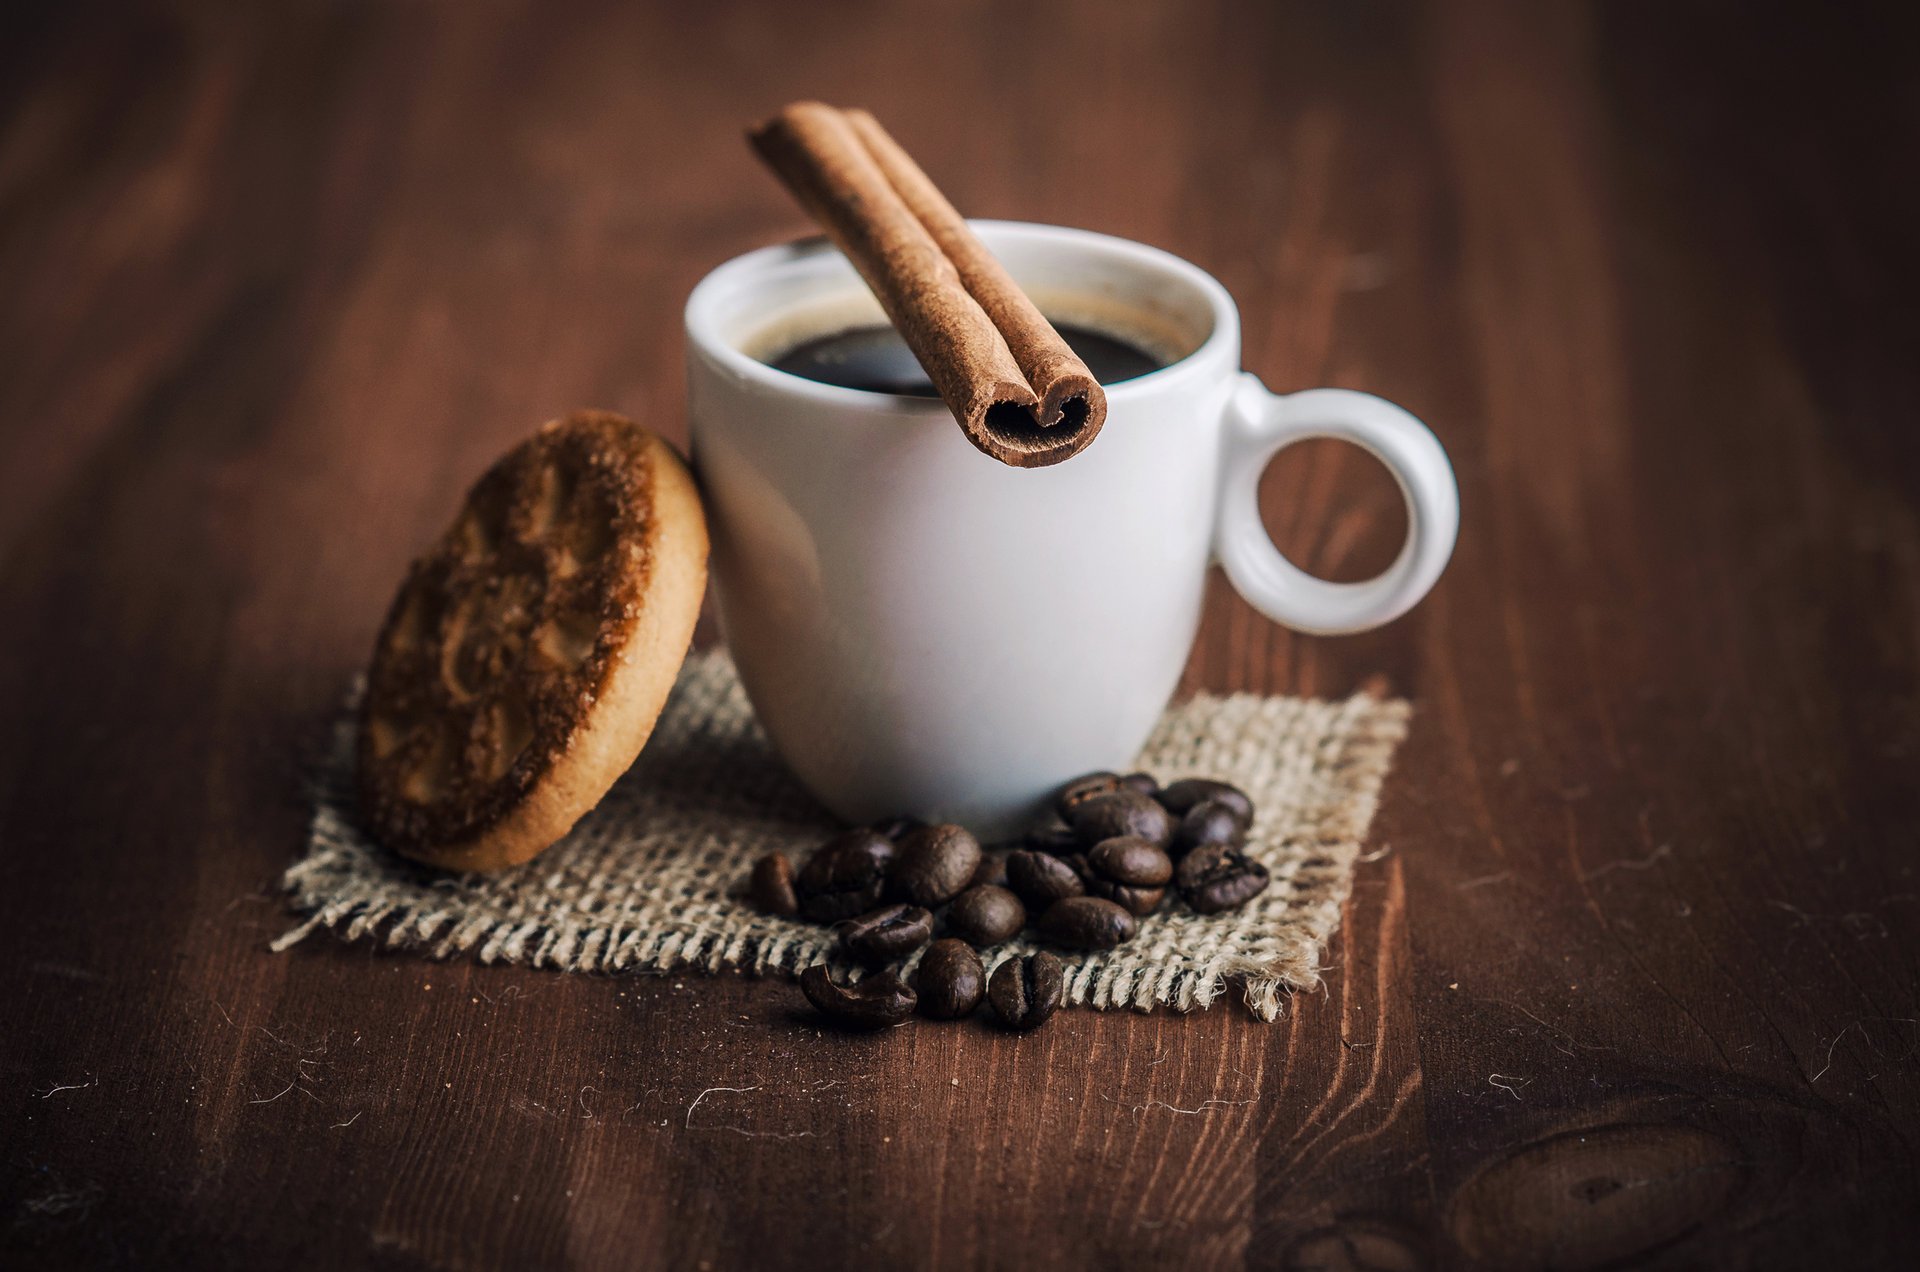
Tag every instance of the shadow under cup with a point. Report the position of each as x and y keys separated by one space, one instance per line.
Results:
x=922 y=629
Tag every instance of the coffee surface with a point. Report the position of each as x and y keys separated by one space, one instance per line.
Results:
x=877 y=360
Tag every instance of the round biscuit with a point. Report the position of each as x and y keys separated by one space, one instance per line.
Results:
x=529 y=651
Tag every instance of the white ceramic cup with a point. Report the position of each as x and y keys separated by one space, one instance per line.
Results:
x=924 y=630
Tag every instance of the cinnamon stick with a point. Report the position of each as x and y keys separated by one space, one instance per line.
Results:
x=1018 y=390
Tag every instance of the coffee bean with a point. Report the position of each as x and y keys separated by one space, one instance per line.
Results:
x=992 y=871
x=1086 y=923
x=1217 y=878
x=1025 y=991
x=1081 y=789
x=1121 y=812
x=879 y=1000
x=1132 y=874
x=1142 y=782
x=1183 y=795
x=1126 y=857
x=985 y=916
x=771 y=886
x=1135 y=901
x=950 y=980
x=1130 y=861
x=934 y=864
x=1039 y=879
x=886 y=935
x=1056 y=839
x=843 y=877
x=1207 y=823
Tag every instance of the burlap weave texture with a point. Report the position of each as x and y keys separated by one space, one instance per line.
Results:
x=650 y=880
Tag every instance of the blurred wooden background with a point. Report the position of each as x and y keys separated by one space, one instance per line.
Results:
x=1636 y=977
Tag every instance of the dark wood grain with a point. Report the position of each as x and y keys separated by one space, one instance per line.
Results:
x=1635 y=979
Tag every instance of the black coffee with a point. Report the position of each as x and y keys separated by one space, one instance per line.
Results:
x=877 y=360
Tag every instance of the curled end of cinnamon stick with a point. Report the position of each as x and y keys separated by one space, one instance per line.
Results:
x=1018 y=391
x=1067 y=419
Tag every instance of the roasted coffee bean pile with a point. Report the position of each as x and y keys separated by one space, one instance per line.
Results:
x=1110 y=854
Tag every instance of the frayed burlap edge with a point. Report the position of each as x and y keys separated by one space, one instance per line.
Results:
x=648 y=882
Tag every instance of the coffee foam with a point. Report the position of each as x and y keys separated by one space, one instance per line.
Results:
x=1154 y=331
x=825 y=315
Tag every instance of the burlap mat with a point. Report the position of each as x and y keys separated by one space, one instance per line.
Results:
x=650 y=880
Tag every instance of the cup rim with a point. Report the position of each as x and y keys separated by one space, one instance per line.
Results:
x=702 y=319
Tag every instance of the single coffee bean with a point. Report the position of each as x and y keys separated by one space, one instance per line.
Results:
x=1142 y=782
x=886 y=935
x=1086 y=923
x=1130 y=861
x=1135 y=901
x=1081 y=789
x=1039 y=879
x=1184 y=794
x=985 y=916
x=992 y=871
x=949 y=980
x=1025 y=991
x=1121 y=812
x=771 y=886
x=1056 y=839
x=934 y=864
x=1217 y=878
x=1207 y=823
x=844 y=877
x=879 y=1000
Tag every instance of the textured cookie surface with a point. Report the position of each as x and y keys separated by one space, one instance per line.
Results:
x=529 y=651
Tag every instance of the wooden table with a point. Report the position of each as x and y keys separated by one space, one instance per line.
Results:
x=1636 y=976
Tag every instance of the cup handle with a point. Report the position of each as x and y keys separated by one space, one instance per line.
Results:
x=1259 y=425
